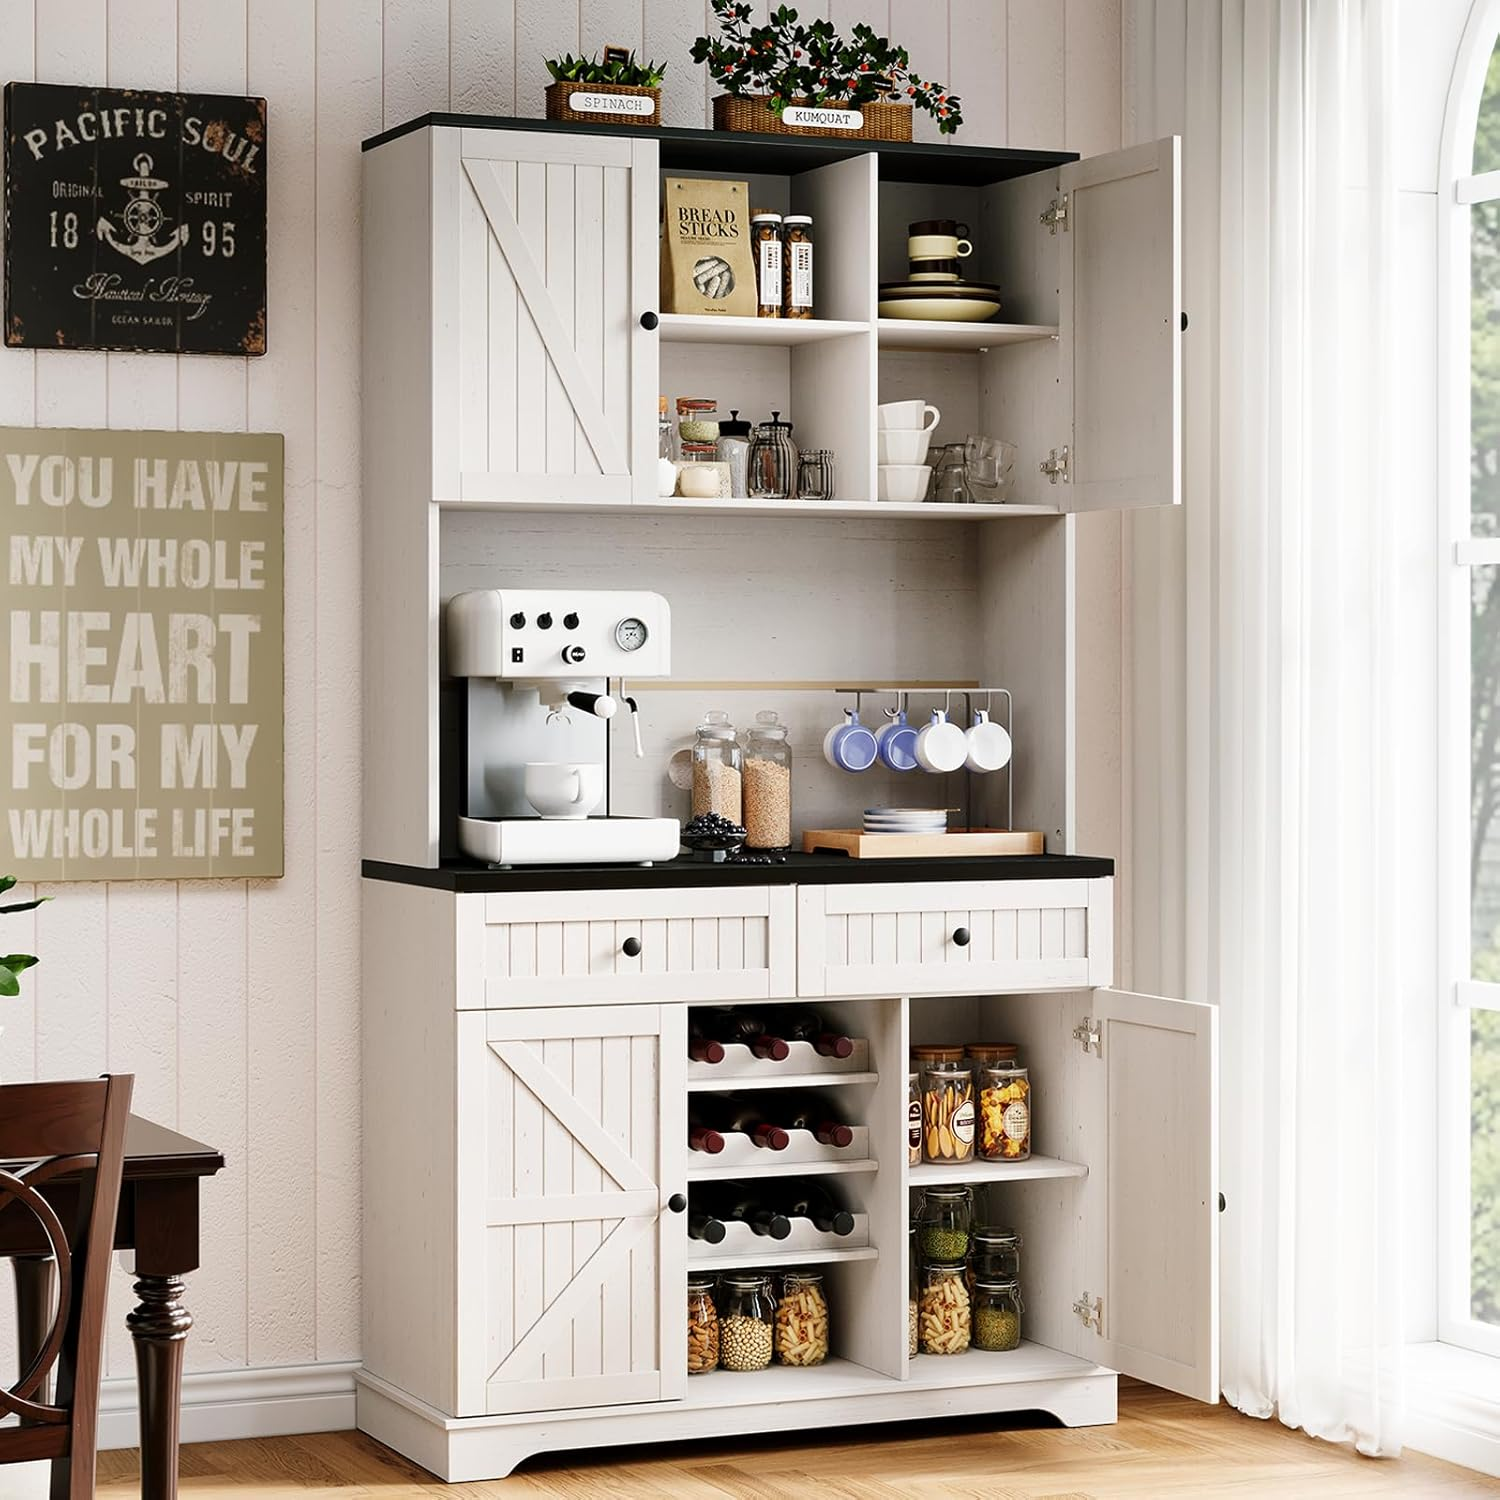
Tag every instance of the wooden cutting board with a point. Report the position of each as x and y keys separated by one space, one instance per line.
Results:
x=952 y=845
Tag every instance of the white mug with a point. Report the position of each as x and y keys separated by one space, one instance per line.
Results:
x=988 y=744
x=900 y=445
x=563 y=789
x=941 y=746
x=937 y=247
x=912 y=416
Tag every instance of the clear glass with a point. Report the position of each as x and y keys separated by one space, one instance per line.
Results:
x=703 y=1326
x=947 y=1111
x=1004 y=1111
x=1487 y=132
x=734 y=450
x=815 y=474
x=1484 y=323
x=746 y=1339
x=913 y=1288
x=943 y=1311
x=996 y=1254
x=943 y=1224
x=773 y=461
x=717 y=782
x=1484 y=1166
x=997 y=1316
x=767 y=773
x=802 y=1320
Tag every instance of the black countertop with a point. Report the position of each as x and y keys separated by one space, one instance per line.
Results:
x=685 y=872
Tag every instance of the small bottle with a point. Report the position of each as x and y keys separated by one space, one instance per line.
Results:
x=765 y=236
x=797 y=275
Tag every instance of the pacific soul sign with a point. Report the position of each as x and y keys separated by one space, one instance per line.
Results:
x=134 y=220
x=141 y=630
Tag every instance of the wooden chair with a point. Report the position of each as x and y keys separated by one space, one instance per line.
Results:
x=73 y=1135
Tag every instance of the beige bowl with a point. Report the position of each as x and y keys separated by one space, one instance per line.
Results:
x=902 y=482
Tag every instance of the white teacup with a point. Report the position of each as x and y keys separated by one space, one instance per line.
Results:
x=563 y=789
x=913 y=416
x=899 y=445
x=937 y=247
x=902 y=482
x=941 y=746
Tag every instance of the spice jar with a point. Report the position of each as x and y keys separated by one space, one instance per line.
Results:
x=815 y=474
x=797 y=274
x=1004 y=1105
x=997 y=1315
x=733 y=448
x=996 y=1255
x=913 y=1281
x=943 y=1311
x=703 y=1326
x=765 y=236
x=767 y=771
x=913 y=1121
x=773 y=461
x=697 y=429
x=947 y=1104
x=802 y=1319
x=745 y=1336
x=943 y=1224
x=716 y=767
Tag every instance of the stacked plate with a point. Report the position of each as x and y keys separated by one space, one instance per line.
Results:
x=952 y=301
x=906 y=820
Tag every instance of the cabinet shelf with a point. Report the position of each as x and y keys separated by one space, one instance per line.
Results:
x=827 y=510
x=1033 y=1169
x=949 y=338
x=778 y=1258
x=701 y=328
x=773 y=1168
x=781 y=1081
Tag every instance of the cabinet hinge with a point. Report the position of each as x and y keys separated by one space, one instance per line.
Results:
x=1056 y=215
x=1091 y=1313
x=1090 y=1036
x=1055 y=465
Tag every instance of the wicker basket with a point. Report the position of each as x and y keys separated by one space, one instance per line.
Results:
x=558 y=107
x=882 y=121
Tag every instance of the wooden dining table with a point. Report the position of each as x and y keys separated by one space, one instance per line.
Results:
x=158 y=1225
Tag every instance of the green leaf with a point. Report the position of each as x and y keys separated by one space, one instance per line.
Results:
x=19 y=906
x=18 y=962
x=9 y=984
x=6 y=881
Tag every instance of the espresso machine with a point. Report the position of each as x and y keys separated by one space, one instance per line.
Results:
x=540 y=665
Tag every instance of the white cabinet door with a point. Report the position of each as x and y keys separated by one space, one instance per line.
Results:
x=572 y=1131
x=1120 y=308
x=1153 y=1256
x=544 y=381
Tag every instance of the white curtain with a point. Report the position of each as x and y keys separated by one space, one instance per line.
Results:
x=1291 y=641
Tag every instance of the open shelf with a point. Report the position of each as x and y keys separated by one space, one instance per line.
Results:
x=947 y=338
x=772 y=1259
x=1033 y=1169
x=702 y=328
x=783 y=1081
x=814 y=509
x=773 y=1167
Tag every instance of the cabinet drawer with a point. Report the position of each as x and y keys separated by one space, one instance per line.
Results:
x=910 y=939
x=584 y=947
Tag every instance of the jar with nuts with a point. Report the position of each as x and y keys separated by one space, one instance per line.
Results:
x=943 y=1311
x=703 y=1326
x=947 y=1104
x=746 y=1340
x=767 y=772
x=802 y=1319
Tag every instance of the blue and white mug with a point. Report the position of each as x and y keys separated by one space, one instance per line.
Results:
x=898 y=744
x=850 y=746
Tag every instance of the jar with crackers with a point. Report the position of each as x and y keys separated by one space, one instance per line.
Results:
x=947 y=1104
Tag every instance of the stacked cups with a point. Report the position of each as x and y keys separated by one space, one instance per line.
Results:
x=903 y=430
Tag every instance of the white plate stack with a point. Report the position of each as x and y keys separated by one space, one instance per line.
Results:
x=906 y=820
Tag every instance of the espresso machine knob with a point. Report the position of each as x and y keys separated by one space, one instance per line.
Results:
x=573 y=655
x=517 y=621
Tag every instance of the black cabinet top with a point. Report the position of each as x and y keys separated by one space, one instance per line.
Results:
x=685 y=872
x=780 y=155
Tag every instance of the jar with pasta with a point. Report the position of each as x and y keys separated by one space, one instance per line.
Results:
x=997 y=1315
x=913 y=1288
x=745 y=1326
x=947 y=1104
x=1004 y=1107
x=717 y=784
x=943 y=1223
x=944 y=1323
x=703 y=1326
x=802 y=1320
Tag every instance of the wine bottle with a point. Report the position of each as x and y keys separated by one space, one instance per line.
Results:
x=701 y=1046
x=726 y=1113
x=808 y=1026
x=723 y=1024
x=705 y=1138
x=817 y=1115
x=803 y=1199
x=738 y=1202
x=705 y=1227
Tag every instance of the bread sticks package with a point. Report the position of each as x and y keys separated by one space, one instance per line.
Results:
x=706 y=261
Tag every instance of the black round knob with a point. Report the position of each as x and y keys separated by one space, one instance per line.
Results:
x=677 y=1203
x=517 y=620
x=649 y=320
x=570 y=622
x=961 y=936
x=544 y=622
x=573 y=655
x=1222 y=1204
x=631 y=947
x=1184 y=322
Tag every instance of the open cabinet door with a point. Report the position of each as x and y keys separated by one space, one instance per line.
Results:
x=1120 y=311
x=1156 y=1261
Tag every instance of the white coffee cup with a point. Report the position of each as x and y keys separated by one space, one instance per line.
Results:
x=563 y=789
x=912 y=416
x=906 y=483
x=942 y=745
x=937 y=247
x=899 y=445
x=988 y=744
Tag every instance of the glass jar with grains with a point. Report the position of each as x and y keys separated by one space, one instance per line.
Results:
x=997 y=1315
x=765 y=236
x=703 y=1326
x=746 y=1339
x=802 y=1319
x=947 y=1104
x=716 y=767
x=767 y=773
x=797 y=272
x=943 y=1223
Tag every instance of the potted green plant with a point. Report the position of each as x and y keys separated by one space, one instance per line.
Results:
x=791 y=77
x=615 y=88
x=12 y=965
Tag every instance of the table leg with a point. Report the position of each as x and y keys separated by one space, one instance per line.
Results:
x=36 y=1281
x=159 y=1325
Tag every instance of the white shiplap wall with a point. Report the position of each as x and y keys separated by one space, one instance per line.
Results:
x=236 y=1004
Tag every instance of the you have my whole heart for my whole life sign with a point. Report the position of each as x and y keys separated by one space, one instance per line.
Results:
x=141 y=726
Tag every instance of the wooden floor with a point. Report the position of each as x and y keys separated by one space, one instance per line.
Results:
x=1163 y=1446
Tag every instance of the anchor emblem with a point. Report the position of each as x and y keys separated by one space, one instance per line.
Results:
x=143 y=218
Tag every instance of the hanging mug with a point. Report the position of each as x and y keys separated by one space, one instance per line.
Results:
x=988 y=744
x=941 y=746
x=898 y=744
x=850 y=746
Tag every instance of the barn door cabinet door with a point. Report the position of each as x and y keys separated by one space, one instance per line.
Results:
x=570 y=1258
x=544 y=378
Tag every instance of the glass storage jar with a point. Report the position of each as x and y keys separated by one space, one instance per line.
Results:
x=773 y=461
x=767 y=771
x=943 y=1223
x=997 y=1315
x=943 y=1310
x=947 y=1104
x=716 y=767
x=913 y=1286
x=697 y=428
x=815 y=474
x=1004 y=1090
x=996 y=1254
x=703 y=1326
x=913 y=1121
x=733 y=448
x=765 y=237
x=797 y=270
x=802 y=1319
x=745 y=1325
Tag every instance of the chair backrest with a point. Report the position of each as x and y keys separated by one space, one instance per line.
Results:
x=71 y=1135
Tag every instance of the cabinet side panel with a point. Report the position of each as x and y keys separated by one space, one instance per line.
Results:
x=409 y=1050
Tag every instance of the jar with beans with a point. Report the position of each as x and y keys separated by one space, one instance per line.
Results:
x=997 y=1315
x=703 y=1326
x=947 y=1104
x=802 y=1320
x=1004 y=1106
x=943 y=1224
x=746 y=1340
x=943 y=1311
x=996 y=1255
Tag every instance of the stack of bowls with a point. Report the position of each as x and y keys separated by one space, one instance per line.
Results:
x=903 y=431
x=906 y=820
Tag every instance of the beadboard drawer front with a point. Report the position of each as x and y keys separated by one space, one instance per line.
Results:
x=570 y=948
x=908 y=939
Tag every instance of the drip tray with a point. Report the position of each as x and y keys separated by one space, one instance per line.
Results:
x=569 y=841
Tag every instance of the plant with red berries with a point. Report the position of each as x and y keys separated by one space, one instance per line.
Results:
x=810 y=63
